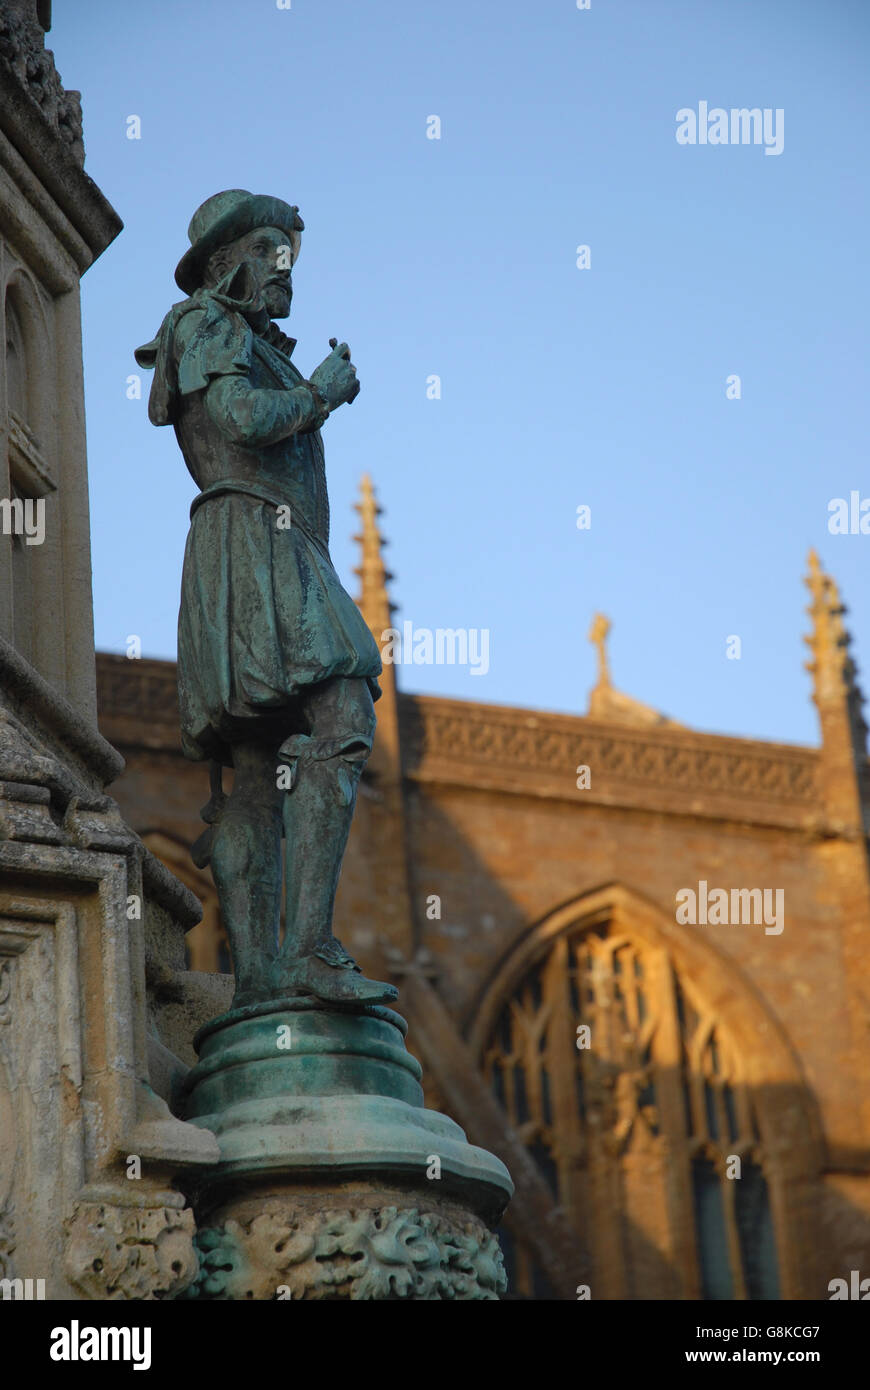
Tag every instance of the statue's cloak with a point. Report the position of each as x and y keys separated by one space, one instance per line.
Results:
x=263 y=614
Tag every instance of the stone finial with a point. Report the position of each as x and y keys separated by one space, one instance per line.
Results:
x=374 y=599
x=598 y=634
x=831 y=665
x=613 y=706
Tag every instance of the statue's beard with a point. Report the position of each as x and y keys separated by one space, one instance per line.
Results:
x=258 y=302
x=277 y=301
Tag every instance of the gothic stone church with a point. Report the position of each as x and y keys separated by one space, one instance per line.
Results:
x=684 y=1106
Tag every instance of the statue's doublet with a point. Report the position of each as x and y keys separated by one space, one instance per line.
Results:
x=263 y=614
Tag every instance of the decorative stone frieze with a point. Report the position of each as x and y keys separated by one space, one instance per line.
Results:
x=278 y=1249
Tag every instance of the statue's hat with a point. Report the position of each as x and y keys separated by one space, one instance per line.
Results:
x=225 y=216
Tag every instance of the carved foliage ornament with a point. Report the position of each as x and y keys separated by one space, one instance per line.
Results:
x=22 y=45
x=383 y=1253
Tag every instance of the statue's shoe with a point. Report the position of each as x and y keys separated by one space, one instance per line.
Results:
x=333 y=984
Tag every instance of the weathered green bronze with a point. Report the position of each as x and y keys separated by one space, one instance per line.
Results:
x=333 y=1180
x=277 y=670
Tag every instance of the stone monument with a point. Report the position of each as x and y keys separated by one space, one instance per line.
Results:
x=89 y=919
x=333 y=1180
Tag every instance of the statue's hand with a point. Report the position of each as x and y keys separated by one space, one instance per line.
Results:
x=336 y=378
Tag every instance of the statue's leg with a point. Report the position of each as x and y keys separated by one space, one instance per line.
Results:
x=246 y=865
x=327 y=764
x=319 y=809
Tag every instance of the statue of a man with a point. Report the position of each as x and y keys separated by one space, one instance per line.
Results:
x=277 y=670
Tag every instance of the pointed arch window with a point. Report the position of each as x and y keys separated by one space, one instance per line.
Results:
x=642 y=1133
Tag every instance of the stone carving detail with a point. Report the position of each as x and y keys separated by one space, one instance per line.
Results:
x=681 y=761
x=130 y=1252
x=22 y=45
x=358 y=1254
x=659 y=1079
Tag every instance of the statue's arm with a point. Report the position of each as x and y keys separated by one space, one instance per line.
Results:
x=256 y=416
x=213 y=353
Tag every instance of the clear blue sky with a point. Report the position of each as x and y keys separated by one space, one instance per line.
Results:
x=560 y=386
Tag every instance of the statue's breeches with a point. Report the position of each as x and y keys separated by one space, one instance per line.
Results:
x=263 y=616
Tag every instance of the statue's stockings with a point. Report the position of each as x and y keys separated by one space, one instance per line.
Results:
x=306 y=788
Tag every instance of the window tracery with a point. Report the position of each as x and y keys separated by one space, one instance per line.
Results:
x=630 y=1094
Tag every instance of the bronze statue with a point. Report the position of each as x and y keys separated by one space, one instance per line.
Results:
x=277 y=670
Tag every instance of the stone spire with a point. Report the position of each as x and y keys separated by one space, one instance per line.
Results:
x=836 y=692
x=380 y=828
x=375 y=605
x=374 y=600
x=843 y=815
